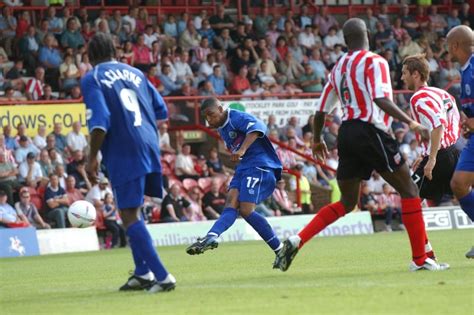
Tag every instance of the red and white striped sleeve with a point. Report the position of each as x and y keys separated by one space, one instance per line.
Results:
x=377 y=76
x=328 y=100
x=427 y=112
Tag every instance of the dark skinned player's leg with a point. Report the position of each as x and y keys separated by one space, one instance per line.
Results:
x=144 y=254
x=412 y=215
x=330 y=213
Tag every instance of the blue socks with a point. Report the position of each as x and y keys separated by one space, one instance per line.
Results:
x=224 y=222
x=263 y=228
x=467 y=204
x=144 y=253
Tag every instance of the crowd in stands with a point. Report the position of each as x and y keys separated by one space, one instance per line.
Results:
x=43 y=58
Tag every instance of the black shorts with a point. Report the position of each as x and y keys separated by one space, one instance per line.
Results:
x=435 y=189
x=363 y=148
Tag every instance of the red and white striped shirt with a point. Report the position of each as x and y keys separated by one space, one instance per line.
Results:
x=433 y=107
x=356 y=80
x=35 y=88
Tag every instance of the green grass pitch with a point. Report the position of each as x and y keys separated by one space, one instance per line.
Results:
x=336 y=275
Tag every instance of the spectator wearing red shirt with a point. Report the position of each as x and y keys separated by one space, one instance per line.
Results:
x=73 y=194
x=151 y=76
x=141 y=54
x=34 y=87
x=240 y=82
x=281 y=48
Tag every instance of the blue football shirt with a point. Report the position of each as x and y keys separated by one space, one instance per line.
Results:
x=261 y=153
x=123 y=103
x=467 y=88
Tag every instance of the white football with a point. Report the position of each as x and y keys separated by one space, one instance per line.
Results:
x=81 y=214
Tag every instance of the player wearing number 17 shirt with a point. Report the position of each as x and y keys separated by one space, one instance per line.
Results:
x=123 y=109
x=360 y=82
x=255 y=177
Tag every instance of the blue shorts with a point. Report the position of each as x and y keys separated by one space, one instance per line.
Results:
x=130 y=194
x=255 y=184
x=466 y=160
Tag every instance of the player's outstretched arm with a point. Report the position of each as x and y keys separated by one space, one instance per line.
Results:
x=390 y=108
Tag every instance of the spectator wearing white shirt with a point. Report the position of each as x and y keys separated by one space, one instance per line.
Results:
x=255 y=89
x=206 y=68
x=306 y=39
x=40 y=139
x=376 y=183
x=150 y=35
x=165 y=145
x=75 y=139
x=131 y=18
x=30 y=170
x=24 y=148
x=332 y=39
x=97 y=193
x=184 y=164
x=183 y=70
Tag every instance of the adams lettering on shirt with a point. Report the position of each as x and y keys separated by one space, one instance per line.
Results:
x=113 y=75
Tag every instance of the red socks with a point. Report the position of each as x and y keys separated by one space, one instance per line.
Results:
x=326 y=215
x=412 y=218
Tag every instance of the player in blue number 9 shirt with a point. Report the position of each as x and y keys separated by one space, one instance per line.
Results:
x=254 y=179
x=123 y=109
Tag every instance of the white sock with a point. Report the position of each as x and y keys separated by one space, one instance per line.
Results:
x=295 y=240
x=169 y=279
x=147 y=276
x=278 y=248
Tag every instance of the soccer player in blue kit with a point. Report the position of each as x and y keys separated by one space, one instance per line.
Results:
x=123 y=109
x=460 y=46
x=254 y=179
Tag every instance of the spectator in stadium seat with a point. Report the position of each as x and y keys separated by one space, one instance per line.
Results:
x=34 y=88
x=325 y=21
x=26 y=208
x=48 y=93
x=110 y=221
x=213 y=201
x=8 y=25
x=388 y=204
x=198 y=19
x=408 y=47
x=450 y=75
x=73 y=194
x=201 y=166
x=183 y=23
x=141 y=54
x=189 y=38
x=9 y=141
x=217 y=81
x=25 y=147
x=8 y=176
x=97 y=193
x=131 y=18
x=220 y=20
x=224 y=41
x=205 y=88
x=45 y=163
x=50 y=59
x=240 y=82
x=201 y=51
x=206 y=31
x=62 y=176
x=72 y=37
x=77 y=169
x=255 y=89
x=57 y=202
x=8 y=214
x=74 y=93
x=165 y=145
x=465 y=15
x=174 y=207
x=30 y=170
x=9 y=154
x=75 y=139
x=60 y=140
x=169 y=85
x=43 y=30
x=453 y=19
x=309 y=81
x=69 y=73
x=152 y=77
x=183 y=70
x=306 y=39
x=184 y=166
x=170 y=27
x=262 y=22
x=56 y=24
x=370 y=20
x=283 y=202
x=409 y=22
x=287 y=157
x=195 y=201
x=54 y=155
x=438 y=21
x=29 y=46
x=215 y=164
x=318 y=65
x=115 y=22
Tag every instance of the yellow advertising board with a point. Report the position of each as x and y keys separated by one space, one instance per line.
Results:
x=34 y=116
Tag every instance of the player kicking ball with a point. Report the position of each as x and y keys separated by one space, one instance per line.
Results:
x=436 y=110
x=460 y=46
x=360 y=82
x=124 y=108
x=254 y=179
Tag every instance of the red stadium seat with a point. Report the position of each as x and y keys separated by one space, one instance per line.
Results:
x=205 y=184
x=189 y=183
x=174 y=181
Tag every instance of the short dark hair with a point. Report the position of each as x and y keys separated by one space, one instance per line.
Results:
x=208 y=103
x=101 y=48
